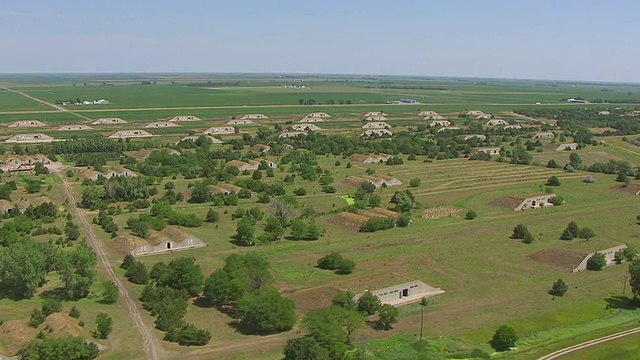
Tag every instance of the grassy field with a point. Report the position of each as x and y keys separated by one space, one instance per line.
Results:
x=489 y=278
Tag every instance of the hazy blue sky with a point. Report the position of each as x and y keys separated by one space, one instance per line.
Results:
x=543 y=39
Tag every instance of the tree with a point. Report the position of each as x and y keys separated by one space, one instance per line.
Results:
x=634 y=277
x=597 y=262
x=305 y=348
x=266 y=313
x=284 y=210
x=68 y=348
x=24 y=266
x=182 y=274
x=559 y=288
x=572 y=231
x=553 y=181
x=552 y=164
x=104 y=325
x=212 y=216
x=528 y=238
x=334 y=328
x=109 y=292
x=51 y=306
x=200 y=193
x=127 y=261
x=140 y=229
x=575 y=161
x=520 y=232
x=257 y=175
x=521 y=156
x=345 y=300
x=346 y=267
x=403 y=201
x=77 y=271
x=188 y=335
x=368 y=304
x=388 y=316
x=587 y=233
x=33 y=186
x=504 y=338
x=471 y=215
x=415 y=182
x=330 y=262
x=245 y=232
x=137 y=273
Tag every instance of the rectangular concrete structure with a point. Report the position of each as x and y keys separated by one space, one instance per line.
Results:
x=402 y=294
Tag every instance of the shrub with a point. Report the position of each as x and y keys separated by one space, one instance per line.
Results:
x=104 y=326
x=368 y=303
x=330 y=262
x=471 y=215
x=51 y=306
x=403 y=220
x=559 y=288
x=553 y=181
x=589 y=180
x=597 y=262
x=346 y=267
x=328 y=189
x=415 y=182
x=74 y=312
x=504 y=338
x=377 y=223
x=37 y=317
x=188 y=335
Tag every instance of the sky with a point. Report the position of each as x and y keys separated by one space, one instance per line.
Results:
x=583 y=40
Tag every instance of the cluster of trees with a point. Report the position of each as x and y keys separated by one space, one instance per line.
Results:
x=105 y=221
x=521 y=232
x=573 y=118
x=504 y=338
x=377 y=223
x=245 y=284
x=573 y=231
x=69 y=348
x=335 y=261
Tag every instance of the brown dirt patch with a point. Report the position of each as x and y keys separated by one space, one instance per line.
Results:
x=352 y=181
x=348 y=220
x=440 y=211
x=124 y=243
x=16 y=333
x=175 y=233
x=313 y=298
x=562 y=258
x=383 y=212
x=631 y=188
x=62 y=325
x=508 y=202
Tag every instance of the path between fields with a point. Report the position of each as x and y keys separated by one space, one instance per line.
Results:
x=46 y=103
x=586 y=344
x=134 y=313
x=621 y=148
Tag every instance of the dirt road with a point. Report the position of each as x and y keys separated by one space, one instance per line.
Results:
x=60 y=108
x=134 y=313
x=586 y=344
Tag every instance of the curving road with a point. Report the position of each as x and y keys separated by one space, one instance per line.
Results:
x=586 y=344
x=134 y=313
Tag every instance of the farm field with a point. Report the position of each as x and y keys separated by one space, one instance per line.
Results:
x=489 y=278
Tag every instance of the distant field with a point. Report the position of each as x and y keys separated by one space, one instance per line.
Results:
x=10 y=101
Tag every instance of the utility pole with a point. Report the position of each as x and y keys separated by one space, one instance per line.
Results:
x=624 y=285
x=423 y=304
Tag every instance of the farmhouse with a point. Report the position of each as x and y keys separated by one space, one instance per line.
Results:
x=473 y=113
x=289 y=134
x=260 y=148
x=535 y=202
x=184 y=118
x=123 y=134
x=160 y=124
x=371 y=158
x=406 y=293
x=27 y=123
x=74 y=128
x=570 y=146
x=305 y=127
x=377 y=132
x=253 y=117
x=448 y=128
x=311 y=120
x=239 y=122
x=428 y=113
x=512 y=127
x=29 y=138
x=440 y=123
x=604 y=112
x=195 y=138
x=318 y=115
x=376 y=118
x=376 y=125
x=107 y=121
x=496 y=122
x=477 y=136
x=220 y=130
x=375 y=113
x=609 y=255
x=544 y=135
x=490 y=151
x=168 y=246
x=23 y=162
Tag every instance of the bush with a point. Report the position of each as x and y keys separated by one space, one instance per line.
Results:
x=559 y=288
x=377 y=223
x=37 y=317
x=589 y=180
x=50 y=306
x=188 y=335
x=553 y=181
x=504 y=338
x=212 y=216
x=300 y=192
x=346 y=267
x=415 y=182
x=597 y=262
x=67 y=348
x=368 y=303
x=137 y=273
x=329 y=189
x=403 y=220
x=74 y=312
x=104 y=326
x=330 y=262
x=471 y=215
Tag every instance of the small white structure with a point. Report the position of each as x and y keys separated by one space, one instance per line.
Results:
x=160 y=124
x=477 y=136
x=609 y=255
x=318 y=115
x=123 y=134
x=30 y=138
x=124 y=173
x=23 y=162
x=473 y=113
x=382 y=180
x=483 y=116
x=434 y=117
x=306 y=127
x=311 y=120
x=374 y=113
x=448 y=128
x=535 y=202
x=194 y=138
x=490 y=151
x=74 y=128
x=184 y=118
x=27 y=123
x=570 y=146
x=376 y=125
x=260 y=148
x=604 y=112
x=376 y=118
x=496 y=122
x=544 y=135
x=108 y=121
x=512 y=127
x=168 y=246
x=220 y=130
x=252 y=165
x=377 y=132
x=290 y=134
x=253 y=117
x=370 y=158
x=440 y=123
x=239 y=122
x=406 y=293
x=428 y=113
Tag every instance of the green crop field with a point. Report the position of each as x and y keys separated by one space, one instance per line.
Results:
x=489 y=278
